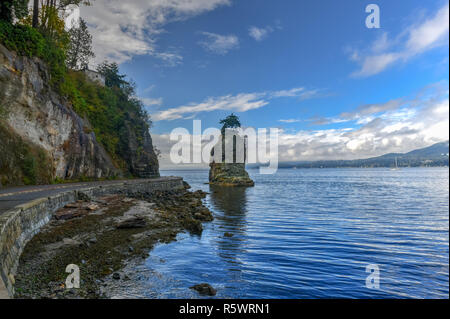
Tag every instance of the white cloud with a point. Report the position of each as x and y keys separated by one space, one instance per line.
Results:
x=241 y=102
x=151 y=101
x=416 y=123
x=430 y=33
x=376 y=138
x=219 y=44
x=149 y=88
x=369 y=109
x=290 y=121
x=169 y=59
x=417 y=39
x=399 y=125
x=123 y=29
x=260 y=33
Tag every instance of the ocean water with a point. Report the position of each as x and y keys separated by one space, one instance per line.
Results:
x=310 y=233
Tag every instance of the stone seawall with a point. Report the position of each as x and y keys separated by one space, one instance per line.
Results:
x=19 y=225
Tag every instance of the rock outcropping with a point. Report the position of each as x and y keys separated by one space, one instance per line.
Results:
x=229 y=174
x=142 y=160
x=34 y=114
x=229 y=170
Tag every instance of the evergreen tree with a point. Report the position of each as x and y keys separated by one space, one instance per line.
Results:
x=231 y=121
x=112 y=76
x=10 y=9
x=80 y=48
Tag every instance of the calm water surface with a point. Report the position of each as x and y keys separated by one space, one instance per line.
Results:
x=310 y=233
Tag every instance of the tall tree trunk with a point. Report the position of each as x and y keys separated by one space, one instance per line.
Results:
x=36 y=13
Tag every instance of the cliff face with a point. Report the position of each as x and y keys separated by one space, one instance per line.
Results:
x=233 y=173
x=229 y=174
x=142 y=160
x=35 y=116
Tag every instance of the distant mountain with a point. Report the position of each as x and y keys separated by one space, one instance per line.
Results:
x=434 y=155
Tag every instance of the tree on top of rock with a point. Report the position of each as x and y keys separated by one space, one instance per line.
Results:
x=231 y=121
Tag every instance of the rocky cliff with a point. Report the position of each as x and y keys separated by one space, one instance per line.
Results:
x=42 y=138
x=229 y=169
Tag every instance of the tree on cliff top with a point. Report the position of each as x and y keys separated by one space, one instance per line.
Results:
x=47 y=8
x=80 y=48
x=111 y=73
x=10 y=9
x=231 y=121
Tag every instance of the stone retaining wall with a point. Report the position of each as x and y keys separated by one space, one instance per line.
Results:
x=20 y=224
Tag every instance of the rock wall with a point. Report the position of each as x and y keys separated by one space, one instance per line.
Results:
x=30 y=109
x=20 y=224
x=142 y=161
x=228 y=165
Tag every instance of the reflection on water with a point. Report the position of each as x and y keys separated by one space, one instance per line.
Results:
x=230 y=204
x=310 y=233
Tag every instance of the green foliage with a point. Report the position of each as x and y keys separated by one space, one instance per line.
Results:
x=80 y=48
x=20 y=8
x=22 y=39
x=29 y=42
x=3 y=112
x=116 y=116
x=112 y=112
x=13 y=8
x=29 y=170
x=111 y=73
x=231 y=121
x=22 y=162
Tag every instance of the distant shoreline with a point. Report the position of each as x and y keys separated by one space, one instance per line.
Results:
x=292 y=168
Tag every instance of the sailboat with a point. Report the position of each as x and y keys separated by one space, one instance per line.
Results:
x=396 y=168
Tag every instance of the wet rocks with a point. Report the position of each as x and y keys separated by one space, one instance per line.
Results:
x=71 y=242
x=68 y=214
x=72 y=205
x=75 y=210
x=116 y=276
x=203 y=214
x=204 y=289
x=134 y=222
x=186 y=185
x=123 y=229
x=92 y=207
x=193 y=226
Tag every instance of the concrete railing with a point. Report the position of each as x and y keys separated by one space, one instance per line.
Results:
x=20 y=224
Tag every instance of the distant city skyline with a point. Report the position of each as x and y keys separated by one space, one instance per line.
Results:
x=336 y=89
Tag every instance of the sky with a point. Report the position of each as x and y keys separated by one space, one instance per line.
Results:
x=335 y=88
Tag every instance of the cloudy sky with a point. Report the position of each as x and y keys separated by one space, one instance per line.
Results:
x=334 y=88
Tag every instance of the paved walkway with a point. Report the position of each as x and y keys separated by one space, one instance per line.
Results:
x=11 y=197
x=14 y=196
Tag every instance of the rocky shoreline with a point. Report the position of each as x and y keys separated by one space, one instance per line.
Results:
x=102 y=236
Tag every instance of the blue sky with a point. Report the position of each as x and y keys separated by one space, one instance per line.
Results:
x=312 y=68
